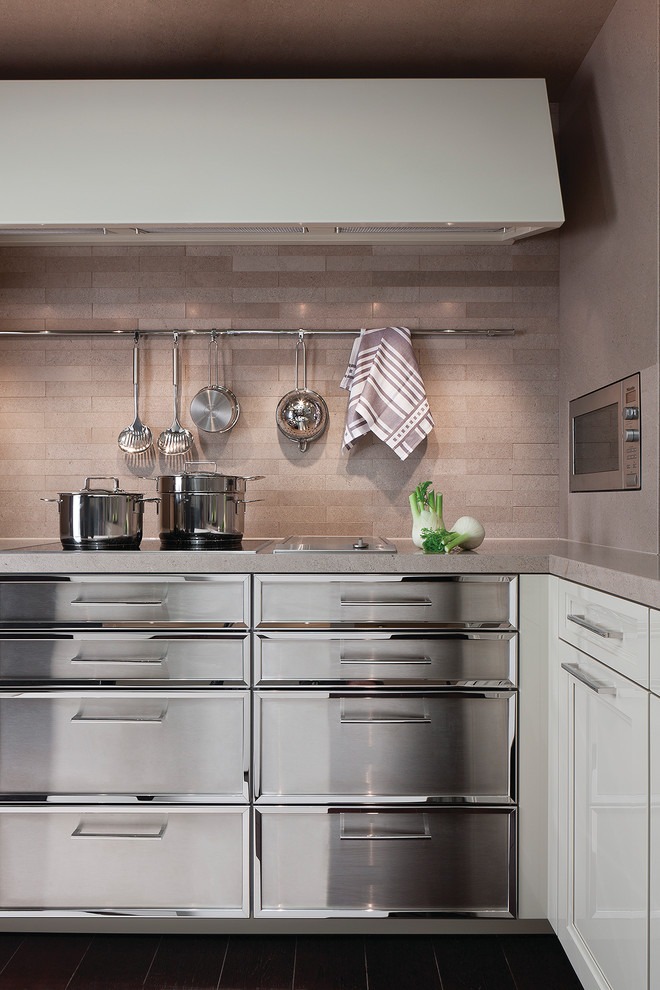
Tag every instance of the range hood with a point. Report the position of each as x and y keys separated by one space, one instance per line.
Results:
x=277 y=160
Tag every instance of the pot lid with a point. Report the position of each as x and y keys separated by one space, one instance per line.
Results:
x=89 y=489
x=203 y=481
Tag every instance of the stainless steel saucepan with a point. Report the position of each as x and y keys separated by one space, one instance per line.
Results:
x=101 y=518
x=202 y=509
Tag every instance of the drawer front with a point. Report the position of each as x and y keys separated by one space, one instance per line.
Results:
x=313 y=746
x=474 y=659
x=476 y=601
x=608 y=628
x=115 y=601
x=127 y=860
x=125 y=658
x=165 y=746
x=318 y=862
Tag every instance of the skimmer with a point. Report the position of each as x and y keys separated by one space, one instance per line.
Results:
x=137 y=437
x=176 y=440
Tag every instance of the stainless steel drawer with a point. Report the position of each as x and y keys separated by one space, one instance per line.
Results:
x=125 y=658
x=476 y=601
x=116 y=601
x=315 y=746
x=115 y=745
x=319 y=862
x=125 y=861
x=460 y=659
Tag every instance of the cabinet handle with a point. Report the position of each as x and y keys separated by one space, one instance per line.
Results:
x=121 y=719
x=594 y=685
x=598 y=630
x=80 y=601
x=377 y=660
x=361 y=718
x=80 y=832
x=368 y=832
x=408 y=603
x=97 y=660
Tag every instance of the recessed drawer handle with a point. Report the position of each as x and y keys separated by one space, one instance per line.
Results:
x=368 y=832
x=97 y=660
x=597 y=630
x=80 y=601
x=122 y=719
x=408 y=603
x=362 y=717
x=81 y=833
x=597 y=686
x=377 y=660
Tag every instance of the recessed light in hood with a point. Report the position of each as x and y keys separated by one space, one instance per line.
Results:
x=452 y=160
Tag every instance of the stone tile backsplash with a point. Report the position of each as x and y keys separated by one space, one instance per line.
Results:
x=63 y=400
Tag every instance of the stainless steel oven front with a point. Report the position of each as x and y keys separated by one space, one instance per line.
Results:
x=606 y=438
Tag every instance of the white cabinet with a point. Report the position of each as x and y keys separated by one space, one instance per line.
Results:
x=607 y=803
x=599 y=823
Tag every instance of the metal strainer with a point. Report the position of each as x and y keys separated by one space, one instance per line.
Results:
x=301 y=415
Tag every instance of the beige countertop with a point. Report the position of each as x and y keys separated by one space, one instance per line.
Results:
x=627 y=573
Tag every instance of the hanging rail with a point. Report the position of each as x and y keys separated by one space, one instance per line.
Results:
x=239 y=333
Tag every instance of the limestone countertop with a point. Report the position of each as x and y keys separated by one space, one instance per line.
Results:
x=627 y=573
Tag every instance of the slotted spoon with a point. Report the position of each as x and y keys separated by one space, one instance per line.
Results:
x=136 y=437
x=176 y=440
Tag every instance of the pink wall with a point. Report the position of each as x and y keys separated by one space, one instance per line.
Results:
x=494 y=449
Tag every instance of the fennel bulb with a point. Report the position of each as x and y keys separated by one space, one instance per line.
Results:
x=426 y=508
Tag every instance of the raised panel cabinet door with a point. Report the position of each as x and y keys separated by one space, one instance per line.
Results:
x=654 y=969
x=608 y=822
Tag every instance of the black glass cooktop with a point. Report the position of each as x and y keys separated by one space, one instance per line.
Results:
x=147 y=546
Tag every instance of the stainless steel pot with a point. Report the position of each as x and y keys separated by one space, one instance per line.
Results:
x=202 y=509
x=100 y=518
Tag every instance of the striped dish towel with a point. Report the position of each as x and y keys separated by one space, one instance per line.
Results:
x=386 y=391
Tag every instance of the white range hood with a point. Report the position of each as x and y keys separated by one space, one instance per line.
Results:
x=277 y=160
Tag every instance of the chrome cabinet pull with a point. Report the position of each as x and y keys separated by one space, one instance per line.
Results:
x=138 y=660
x=122 y=719
x=594 y=685
x=408 y=603
x=362 y=718
x=80 y=832
x=369 y=830
x=80 y=601
x=597 y=630
x=393 y=660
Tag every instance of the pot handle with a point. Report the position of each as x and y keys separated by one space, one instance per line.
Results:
x=58 y=500
x=101 y=477
x=246 y=501
x=255 y=477
x=197 y=463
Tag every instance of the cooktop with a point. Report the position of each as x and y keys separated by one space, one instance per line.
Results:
x=147 y=546
x=334 y=544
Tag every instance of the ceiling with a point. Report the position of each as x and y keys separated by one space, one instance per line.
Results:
x=55 y=39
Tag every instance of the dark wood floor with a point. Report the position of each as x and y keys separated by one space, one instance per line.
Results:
x=205 y=962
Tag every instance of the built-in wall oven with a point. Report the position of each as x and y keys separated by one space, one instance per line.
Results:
x=606 y=438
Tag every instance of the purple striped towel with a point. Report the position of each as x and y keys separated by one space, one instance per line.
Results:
x=386 y=391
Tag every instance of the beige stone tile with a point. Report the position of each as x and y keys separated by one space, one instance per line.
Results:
x=535 y=451
x=18 y=391
x=25 y=516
